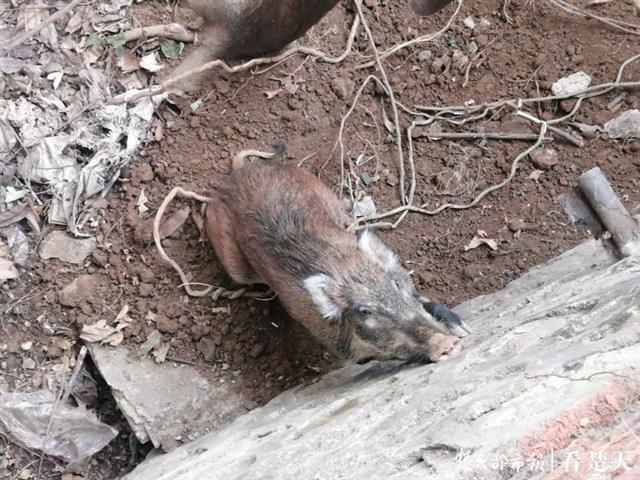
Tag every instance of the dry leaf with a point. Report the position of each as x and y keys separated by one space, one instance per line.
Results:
x=480 y=238
x=8 y=270
x=122 y=315
x=149 y=63
x=174 y=222
x=128 y=62
x=535 y=175
x=130 y=81
x=103 y=333
x=97 y=332
x=141 y=204
x=273 y=93
x=14 y=214
x=56 y=77
x=150 y=343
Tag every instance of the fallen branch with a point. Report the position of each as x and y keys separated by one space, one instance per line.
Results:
x=498 y=136
x=477 y=135
x=23 y=37
x=624 y=229
x=174 y=31
x=133 y=95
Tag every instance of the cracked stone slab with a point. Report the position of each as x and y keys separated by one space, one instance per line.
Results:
x=166 y=404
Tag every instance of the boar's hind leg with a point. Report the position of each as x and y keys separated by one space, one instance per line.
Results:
x=213 y=47
x=222 y=239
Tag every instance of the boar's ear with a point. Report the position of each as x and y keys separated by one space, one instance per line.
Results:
x=370 y=244
x=319 y=287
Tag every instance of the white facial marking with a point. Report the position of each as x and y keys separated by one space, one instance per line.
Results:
x=371 y=322
x=318 y=286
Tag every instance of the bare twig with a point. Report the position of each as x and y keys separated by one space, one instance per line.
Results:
x=174 y=31
x=516 y=103
x=133 y=95
x=23 y=37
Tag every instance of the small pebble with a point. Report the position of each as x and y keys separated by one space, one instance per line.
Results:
x=28 y=363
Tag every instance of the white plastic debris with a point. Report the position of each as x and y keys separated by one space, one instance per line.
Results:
x=469 y=22
x=571 y=85
x=74 y=434
x=625 y=125
x=46 y=162
x=364 y=207
x=150 y=62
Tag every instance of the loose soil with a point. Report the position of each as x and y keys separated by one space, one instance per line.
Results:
x=254 y=343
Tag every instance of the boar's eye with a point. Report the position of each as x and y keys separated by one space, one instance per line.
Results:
x=364 y=311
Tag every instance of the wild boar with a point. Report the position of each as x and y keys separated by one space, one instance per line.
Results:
x=251 y=28
x=278 y=225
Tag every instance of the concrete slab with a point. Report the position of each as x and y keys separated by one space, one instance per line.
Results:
x=167 y=404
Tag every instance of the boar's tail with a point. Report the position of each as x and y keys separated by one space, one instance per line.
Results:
x=240 y=159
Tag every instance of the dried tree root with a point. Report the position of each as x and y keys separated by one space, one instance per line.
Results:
x=216 y=292
x=186 y=283
x=174 y=31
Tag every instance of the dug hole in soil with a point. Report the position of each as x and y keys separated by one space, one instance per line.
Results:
x=254 y=343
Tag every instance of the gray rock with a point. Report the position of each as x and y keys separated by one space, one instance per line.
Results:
x=572 y=84
x=68 y=249
x=625 y=125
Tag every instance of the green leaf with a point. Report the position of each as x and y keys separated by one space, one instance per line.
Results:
x=95 y=40
x=170 y=48
x=116 y=41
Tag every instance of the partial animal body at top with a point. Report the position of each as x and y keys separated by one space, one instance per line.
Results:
x=251 y=28
x=277 y=224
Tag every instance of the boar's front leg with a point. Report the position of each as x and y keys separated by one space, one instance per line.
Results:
x=221 y=236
